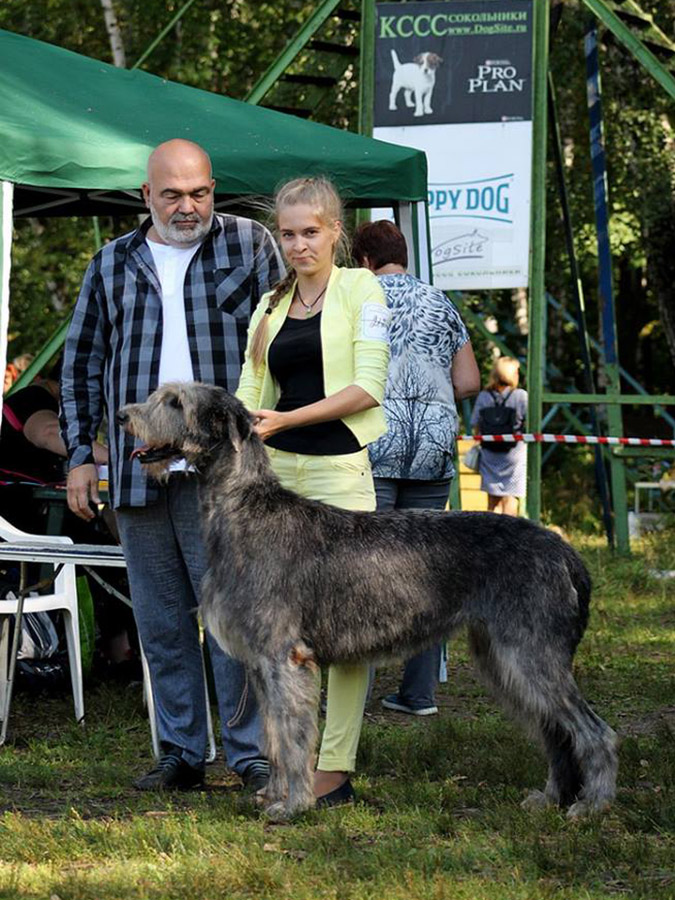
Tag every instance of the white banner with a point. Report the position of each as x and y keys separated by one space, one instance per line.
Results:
x=454 y=79
x=479 y=200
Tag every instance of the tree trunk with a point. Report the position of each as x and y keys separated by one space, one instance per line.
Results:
x=114 y=34
x=519 y=298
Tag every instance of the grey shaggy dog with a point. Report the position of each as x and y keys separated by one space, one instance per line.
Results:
x=294 y=584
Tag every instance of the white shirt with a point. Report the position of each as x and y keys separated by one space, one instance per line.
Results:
x=172 y=264
x=175 y=363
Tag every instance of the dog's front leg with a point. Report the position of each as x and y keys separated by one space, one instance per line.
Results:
x=409 y=102
x=291 y=690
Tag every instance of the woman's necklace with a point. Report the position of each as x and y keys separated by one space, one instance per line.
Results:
x=309 y=306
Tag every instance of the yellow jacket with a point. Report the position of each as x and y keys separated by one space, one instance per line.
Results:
x=354 y=343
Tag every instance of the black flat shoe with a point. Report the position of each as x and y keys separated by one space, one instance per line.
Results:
x=341 y=796
x=171 y=773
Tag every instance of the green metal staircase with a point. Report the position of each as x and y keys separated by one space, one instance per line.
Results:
x=319 y=67
x=638 y=32
x=643 y=27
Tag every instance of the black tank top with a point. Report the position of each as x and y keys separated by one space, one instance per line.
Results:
x=296 y=363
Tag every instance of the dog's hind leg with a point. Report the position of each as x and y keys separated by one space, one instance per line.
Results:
x=536 y=685
x=288 y=693
x=564 y=781
x=595 y=751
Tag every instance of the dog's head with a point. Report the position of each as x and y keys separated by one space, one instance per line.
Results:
x=428 y=62
x=185 y=420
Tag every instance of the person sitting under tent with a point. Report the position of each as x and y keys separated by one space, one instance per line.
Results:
x=32 y=455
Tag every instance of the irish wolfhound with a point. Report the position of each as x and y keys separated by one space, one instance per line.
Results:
x=294 y=584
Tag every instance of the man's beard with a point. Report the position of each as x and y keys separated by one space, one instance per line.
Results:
x=170 y=233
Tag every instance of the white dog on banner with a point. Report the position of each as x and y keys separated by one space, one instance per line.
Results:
x=416 y=79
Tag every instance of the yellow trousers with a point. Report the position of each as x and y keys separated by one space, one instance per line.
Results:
x=346 y=482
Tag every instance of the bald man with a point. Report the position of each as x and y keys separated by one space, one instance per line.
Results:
x=170 y=301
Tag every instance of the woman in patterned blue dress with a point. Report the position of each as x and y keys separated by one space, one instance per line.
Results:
x=431 y=366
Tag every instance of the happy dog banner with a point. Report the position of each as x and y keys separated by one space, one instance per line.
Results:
x=454 y=79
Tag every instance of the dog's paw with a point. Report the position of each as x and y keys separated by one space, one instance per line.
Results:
x=537 y=800
x=582 y=809
x=278 y=812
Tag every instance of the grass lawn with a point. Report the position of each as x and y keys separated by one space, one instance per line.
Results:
x=439 y=814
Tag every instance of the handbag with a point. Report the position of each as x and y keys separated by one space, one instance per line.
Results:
x=471 y=458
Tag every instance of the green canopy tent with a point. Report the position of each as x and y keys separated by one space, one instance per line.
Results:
x=76 y=135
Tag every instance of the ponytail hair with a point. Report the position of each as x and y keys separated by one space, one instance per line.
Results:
x=321 y=195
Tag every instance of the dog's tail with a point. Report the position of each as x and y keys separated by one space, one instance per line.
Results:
x=396 y=61
x=581 y=581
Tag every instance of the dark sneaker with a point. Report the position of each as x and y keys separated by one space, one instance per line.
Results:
x=256 y=775
x=392 y=701
x=171 y=773
x=341 y=796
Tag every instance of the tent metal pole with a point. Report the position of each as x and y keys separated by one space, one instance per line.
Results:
x=536 y=348
x=6 y=198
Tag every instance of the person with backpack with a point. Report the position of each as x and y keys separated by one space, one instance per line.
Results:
x=501 y=408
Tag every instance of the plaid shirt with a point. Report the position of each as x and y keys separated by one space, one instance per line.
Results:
x=112 y=350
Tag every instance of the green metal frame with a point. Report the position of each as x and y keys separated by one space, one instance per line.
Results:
x=367 y=68
x=605 y=12
x=297 y=44
x=536 y=347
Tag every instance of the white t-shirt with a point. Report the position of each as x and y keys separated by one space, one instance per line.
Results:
x=175 y=363
x=172 y=264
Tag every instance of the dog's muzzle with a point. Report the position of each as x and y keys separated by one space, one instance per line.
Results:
x=147 y=454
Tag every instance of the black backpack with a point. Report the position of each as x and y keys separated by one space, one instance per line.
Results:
x=497 y=419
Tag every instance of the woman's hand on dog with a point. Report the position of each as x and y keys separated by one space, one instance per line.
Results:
x=267 y=422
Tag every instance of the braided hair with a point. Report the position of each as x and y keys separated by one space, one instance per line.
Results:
x=320 y=194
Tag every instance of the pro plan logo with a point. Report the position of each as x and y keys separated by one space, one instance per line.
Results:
x=496 y=76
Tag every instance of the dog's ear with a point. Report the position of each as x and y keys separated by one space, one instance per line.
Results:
x=419 y=59
x=239 y=427
x=435 y=60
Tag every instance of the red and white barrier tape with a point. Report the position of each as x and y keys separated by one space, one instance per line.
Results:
x=568 y=439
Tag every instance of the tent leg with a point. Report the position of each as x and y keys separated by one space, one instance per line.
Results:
x=6 y=197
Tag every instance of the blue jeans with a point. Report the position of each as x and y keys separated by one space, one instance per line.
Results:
x=420 y=675
x=166 y=560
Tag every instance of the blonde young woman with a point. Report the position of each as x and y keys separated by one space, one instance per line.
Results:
x=314 y=378
x=503 y=474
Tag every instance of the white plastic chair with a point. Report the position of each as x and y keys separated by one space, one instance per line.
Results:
x=62 y=596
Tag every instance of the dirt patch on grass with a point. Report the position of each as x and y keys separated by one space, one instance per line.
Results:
x=649 y=723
